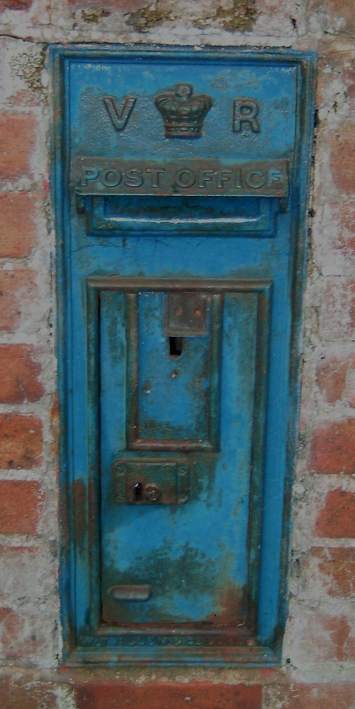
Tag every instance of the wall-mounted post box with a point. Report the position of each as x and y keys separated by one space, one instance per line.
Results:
x=180 y=192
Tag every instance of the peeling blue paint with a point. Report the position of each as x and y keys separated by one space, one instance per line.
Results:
x=226 y=407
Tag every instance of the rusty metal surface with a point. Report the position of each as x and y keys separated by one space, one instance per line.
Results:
x=187 y=314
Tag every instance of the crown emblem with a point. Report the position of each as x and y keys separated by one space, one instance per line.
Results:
x=183 y=111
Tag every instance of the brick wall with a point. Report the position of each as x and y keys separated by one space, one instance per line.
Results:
x=319 y=648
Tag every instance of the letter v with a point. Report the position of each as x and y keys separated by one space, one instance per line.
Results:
x=119 y=114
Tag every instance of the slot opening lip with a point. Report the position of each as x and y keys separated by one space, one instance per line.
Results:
x=184 y=220
x=130 y=592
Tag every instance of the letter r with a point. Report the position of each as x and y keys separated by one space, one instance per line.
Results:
x=245 y=111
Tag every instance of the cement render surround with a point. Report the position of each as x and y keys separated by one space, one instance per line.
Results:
x=319 y=644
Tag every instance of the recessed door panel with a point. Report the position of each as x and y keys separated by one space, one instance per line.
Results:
x=191 y=552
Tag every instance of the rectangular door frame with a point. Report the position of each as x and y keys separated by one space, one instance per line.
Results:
x=82 y=646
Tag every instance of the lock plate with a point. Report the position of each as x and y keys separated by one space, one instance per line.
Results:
x=150 y=482
x=187 y=314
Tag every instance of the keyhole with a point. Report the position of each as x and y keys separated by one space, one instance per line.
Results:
x=176 y=345
x=137 y=490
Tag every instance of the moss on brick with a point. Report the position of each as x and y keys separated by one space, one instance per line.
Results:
x=148 y=17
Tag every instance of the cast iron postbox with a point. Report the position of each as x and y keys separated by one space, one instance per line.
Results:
x=180 y=192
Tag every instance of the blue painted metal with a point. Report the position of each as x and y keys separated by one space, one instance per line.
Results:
x=224 y=407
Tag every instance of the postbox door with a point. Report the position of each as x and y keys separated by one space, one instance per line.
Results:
x=177 y=381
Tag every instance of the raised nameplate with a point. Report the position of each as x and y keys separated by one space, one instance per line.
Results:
x=102 y=176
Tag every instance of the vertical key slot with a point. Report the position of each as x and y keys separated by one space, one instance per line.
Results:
x=138 y=491
x=176 y=346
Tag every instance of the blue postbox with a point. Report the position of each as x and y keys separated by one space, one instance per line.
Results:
x=180 y=189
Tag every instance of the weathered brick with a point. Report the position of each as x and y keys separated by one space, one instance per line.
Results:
x=20 y=441
x=10 y=628
x=343 y=158
x=324 y=637
x=20 y=506
x=334 y=378
x=337 y=312
x=120 y=5
x=19 y=374
x=17 y=227
x=337 y=566
x=199 y=695
x=17 y=289
x=334 y=66
x=336 y=15
x=15 y=4
x=310 y=696
x=337 y=517
x=333 y=447
x=345 y=238
x=349 y=78
x=17 y=140
x=14 y=695
x=341 y=637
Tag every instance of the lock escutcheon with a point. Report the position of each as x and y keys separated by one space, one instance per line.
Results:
x=152 y=492
x=147 y=481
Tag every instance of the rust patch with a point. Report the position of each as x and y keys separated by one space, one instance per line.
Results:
x=166 y=576
x=63 y=517
x=230 y=607
x=79 y=505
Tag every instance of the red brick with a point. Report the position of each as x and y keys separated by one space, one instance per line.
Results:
x=337 y=566
x=19 y=374
x=311 y=696
x=15 y=4
x=17 y=228
x=20 y=506
x=343 y=158
x=17 y=139
x=17 y=289
x=197 y=695
x=20 y=441
x=333 y=447
x=334 y=379
x=337 y=312
x=337 y=518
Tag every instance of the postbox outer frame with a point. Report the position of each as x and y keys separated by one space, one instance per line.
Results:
x=265 y=654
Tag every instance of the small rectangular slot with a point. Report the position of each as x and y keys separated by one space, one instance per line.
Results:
x=247 y=216
x=176 y=346
x=138 y=592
